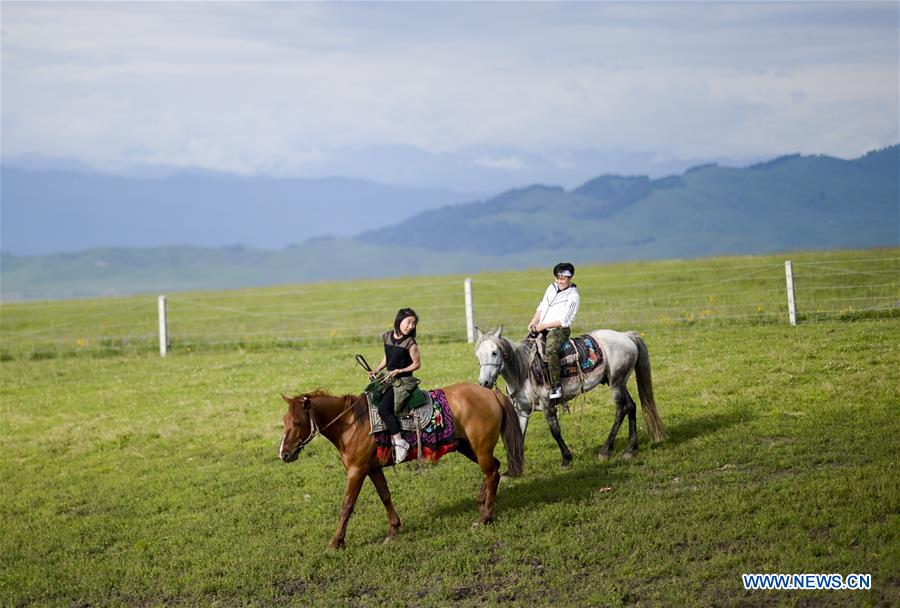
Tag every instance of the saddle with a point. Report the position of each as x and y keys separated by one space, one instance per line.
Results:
x=429 y=428
x=420 y=409
x=577 y=356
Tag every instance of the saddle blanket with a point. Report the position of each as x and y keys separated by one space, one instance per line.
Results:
x=580 y=351
x=438 y=437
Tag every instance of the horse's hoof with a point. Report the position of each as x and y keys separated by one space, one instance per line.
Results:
x=565 y=464
x=387 y=540
x=336 y=544
x=627 y=455
x=602 y=456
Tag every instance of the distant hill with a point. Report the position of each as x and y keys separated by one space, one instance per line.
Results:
x=51 y=211
x=789 y=203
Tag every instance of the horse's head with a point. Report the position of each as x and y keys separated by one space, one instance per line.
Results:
x=299 y=428
x=489 y=350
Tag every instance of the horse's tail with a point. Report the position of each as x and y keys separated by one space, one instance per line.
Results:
x=512 y=435
x=644 y=379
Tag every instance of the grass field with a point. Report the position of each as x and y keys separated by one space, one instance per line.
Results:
x=132 y=480
x=831 y=285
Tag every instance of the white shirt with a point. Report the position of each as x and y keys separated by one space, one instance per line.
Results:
x=559 y=305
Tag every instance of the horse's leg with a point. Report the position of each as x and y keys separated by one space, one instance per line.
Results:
x=377 y=477
x=632 y=428
x=490 y=468
x=465 y=448
x=523 y=421
x=355 y=478
x=553 y=421
x=621 y=402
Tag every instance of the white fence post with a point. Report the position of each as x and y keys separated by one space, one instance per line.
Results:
x=470 y=313
x=163 y=332
x=792 y=307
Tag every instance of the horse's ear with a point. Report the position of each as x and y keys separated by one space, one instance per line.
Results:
x=286 y=398
x=478 y=333
x=500 y=332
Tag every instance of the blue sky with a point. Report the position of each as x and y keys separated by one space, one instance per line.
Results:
x=315 y=88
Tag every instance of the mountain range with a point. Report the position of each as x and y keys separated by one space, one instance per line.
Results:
x=789 y=203
x=478 y=169
x=53 y=211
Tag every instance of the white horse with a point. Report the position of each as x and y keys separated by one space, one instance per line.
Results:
x=622 y=353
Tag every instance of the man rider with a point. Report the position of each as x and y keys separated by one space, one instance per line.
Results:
x=555 y=315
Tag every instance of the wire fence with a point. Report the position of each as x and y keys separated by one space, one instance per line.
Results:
x=847 y=286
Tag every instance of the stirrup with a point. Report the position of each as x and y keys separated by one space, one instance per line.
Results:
x=556 y=392
x=401 y=449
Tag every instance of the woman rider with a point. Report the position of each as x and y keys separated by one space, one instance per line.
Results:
x=401 y=359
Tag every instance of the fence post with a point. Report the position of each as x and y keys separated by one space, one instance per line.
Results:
x=470 y=313
x=163 y=332
x=792 y=307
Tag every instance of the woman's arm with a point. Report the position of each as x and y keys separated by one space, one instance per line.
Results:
x=381 y=365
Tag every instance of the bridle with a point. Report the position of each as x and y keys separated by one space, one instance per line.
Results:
x=314 y=428
x=505 y=354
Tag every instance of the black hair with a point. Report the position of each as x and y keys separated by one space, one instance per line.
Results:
x=563 y=266
x=402 y=314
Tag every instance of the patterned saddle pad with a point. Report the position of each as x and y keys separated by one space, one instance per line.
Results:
x=438 y=434
x=581 y=351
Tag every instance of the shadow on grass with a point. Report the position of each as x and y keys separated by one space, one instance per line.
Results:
x=707 y=425
x=681 y=432
x=533 y=490
x=540 y=485
x=702 y=426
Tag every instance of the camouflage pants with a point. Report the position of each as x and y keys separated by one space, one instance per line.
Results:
x=556 y=337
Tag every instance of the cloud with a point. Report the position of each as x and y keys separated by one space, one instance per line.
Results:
x=251 y=86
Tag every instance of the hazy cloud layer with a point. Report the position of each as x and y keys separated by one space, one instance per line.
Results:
x=291 y=88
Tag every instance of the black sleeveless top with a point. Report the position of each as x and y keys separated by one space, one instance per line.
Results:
x=396 y=352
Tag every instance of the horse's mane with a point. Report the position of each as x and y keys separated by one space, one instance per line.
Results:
x=319 y=392
x=360 y=409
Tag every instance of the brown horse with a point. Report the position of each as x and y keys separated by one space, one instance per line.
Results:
x=480 y=417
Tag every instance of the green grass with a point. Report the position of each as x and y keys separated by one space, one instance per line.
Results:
x=845 y=285
x=132 y=480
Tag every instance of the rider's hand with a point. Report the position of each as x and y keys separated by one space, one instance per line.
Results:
x=372 y=375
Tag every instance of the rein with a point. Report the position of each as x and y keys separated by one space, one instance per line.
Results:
x=314 y=428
